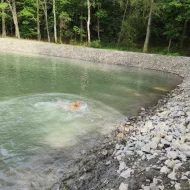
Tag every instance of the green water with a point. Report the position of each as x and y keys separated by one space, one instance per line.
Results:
x=34 y=128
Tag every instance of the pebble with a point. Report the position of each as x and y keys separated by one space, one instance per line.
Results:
x=170 y=163
x=169 y=137
x=153 y=145
x=165 y=170
x=126 y=174
x=146 y=148
x=122 y=166
x=172 y=176
x=146 y=187
x=177 y=186
x=123 y=186
x=172 y=154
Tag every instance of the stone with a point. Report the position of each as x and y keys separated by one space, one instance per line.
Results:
x=177 y=186
x=123 y=186
x=172 y=154
x=177 y=166
x=169 y=138
x=165 y=170
x=149 y=125
x=156 y=139
x=170 y=163
x=117 y=146
x=108 y=163
x=172 y=176
x=146 y=187
x=163 y=114
x=127 y=129
x=187 y=153
x=104 y=152
x=120 y=136
x=182 y=156
x=121 y=128
x=146 y=148
x=165 y=142
x=120 y=157
x=122 y=166
x=153 y=145
x=126 y=174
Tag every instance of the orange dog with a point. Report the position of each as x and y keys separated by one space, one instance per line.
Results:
x=76 y=104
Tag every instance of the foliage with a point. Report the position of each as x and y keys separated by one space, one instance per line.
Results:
x=96 y=44
x=111 y=20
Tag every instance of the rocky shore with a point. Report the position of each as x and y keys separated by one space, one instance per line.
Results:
x=150 y=151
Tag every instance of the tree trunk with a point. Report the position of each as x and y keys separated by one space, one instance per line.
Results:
x=60 y=33
x=38 y=21
x=3 y=22
x=146 y=43
x=15 y=20
x=81 y=28
x=88 y=23
x=55 y=22
x=46 y=19
x=98 y=22
x=183 y=34
x=169 y=45
x=121 y=31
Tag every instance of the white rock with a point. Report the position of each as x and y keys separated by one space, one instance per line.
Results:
x=172 y=176
x=182 y=139
x=164 y=141
x=146 y=187
x=177 y=166
x=123 y=186
x=165 y=170
x=187 y=153
x=163 y=114
x=169 y=137
x=144 y=130
x=156 y=140
x=140 y=153
x=122 y=166
x=149 y=125
x=146 y=148
x=172 y=154
x=125 y=174
x=184 y=178
x=177 y=186
x=184 y=147
x=182 y=156
x=170 y=163
x=161 y=187
x=153 y=145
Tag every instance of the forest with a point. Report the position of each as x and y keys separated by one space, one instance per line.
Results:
x=154 y=26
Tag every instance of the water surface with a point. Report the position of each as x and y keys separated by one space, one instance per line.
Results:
x=38 y=136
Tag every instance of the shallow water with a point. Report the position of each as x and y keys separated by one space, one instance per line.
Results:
x=38 y=135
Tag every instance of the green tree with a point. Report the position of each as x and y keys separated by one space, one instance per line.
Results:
x=12 y=6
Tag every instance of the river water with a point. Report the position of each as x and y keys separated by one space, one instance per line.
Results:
x=38 y=137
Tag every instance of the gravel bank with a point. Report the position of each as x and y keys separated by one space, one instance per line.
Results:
x=150 y=151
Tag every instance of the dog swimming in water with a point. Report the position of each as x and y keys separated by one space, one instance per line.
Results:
x=74 y=105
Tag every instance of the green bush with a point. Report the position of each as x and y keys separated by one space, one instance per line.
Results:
x=96 y=44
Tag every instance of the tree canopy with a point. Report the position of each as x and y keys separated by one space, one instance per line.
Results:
x=145 y=25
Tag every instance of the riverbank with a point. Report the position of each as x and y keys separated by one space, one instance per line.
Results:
x=149 y=151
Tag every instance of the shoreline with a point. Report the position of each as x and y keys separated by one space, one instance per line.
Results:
x=126 y=164
x=152 y=149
